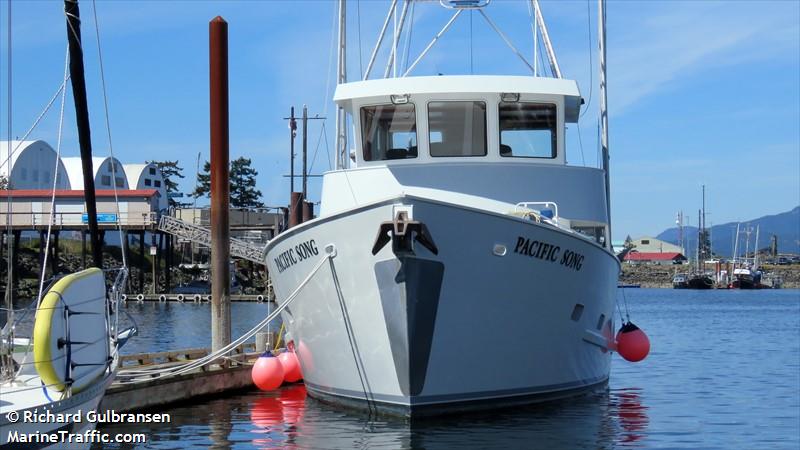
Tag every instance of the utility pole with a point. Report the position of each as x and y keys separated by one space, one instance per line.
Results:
x=293 y=134
x=305 y=152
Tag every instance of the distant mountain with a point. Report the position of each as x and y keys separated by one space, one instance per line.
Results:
x=786 y=226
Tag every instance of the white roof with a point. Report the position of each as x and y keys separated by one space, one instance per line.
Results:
x=75 y=170
x=17 y=147
x=134 y=172
x=462 y=84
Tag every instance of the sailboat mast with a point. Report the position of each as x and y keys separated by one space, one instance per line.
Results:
x=341 y=77
x=82 y=115
x=601 y=39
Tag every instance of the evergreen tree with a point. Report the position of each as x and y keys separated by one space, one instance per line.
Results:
x=243 y=185
x=170 y=171
x=3 y=182
x=203 y=188
x=243 y=192
x=629 y=243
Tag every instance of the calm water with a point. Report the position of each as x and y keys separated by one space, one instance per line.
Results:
x=723 y=373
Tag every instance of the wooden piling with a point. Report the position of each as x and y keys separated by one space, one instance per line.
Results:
x=220 y=242
x=141 y=261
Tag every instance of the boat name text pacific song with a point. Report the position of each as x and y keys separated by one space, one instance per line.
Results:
x=548 y=252
x=299 y=253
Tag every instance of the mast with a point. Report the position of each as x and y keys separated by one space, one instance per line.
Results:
x=341 y=77
x=736 y=246
x=755 y=250
x=551 y=54
x=601 y=39
x=73 y=14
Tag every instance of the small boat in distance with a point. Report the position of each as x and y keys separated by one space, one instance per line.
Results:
x=699 y=278
x=680 y=281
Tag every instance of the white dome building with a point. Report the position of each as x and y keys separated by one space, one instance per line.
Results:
x=148 y=176
x=32 y=166
x=104 y=173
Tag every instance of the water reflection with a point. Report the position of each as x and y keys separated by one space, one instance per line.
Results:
x=286 y=419
x=631 y=413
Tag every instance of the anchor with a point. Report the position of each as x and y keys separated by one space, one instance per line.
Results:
x=400 y=231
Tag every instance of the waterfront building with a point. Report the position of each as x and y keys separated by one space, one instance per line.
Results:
x=648 y=244
x=660 y=258
x=147 y=176
x=32 y=165
x=104 y=170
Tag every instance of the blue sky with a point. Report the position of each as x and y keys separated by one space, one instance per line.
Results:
x=700 y=92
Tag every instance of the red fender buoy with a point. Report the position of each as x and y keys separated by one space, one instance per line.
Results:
x=267 y=372
x=291 y=366
x=632 y=343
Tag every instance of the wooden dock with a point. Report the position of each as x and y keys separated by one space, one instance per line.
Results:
x=223 y=375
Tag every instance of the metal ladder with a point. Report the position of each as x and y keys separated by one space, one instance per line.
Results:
x=202 y=236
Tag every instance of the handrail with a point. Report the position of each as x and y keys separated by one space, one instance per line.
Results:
x=527 y=205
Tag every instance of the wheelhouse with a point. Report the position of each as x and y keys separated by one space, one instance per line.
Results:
x=459 y=118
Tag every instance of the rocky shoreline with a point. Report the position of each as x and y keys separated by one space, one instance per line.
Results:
x=657 y=276
x=252 y=278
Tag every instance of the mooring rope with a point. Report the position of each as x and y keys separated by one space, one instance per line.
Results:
x=362 y=373
x=140 y=376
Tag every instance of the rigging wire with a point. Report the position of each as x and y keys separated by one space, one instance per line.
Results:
x=535 y=41
x=8 y=144
x=52 y=215
x=407 y=45
x=319 y=140
x=108 y=131
x=591 y=67
x=35 y=124
x=580 y=142
x=627 y=312
x=7 y=358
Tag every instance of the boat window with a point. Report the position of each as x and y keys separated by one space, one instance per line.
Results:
x=389 y=132
x=597 y=234
x=527 y=130
x=457 y=128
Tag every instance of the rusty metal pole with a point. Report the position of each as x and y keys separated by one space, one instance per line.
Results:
x=220 y=195
x=295 y=209
x=308 y=211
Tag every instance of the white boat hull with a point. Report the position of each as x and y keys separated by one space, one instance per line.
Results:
x=468 y=328
x=83 y=402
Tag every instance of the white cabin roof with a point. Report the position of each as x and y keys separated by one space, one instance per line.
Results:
x=462 y=84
